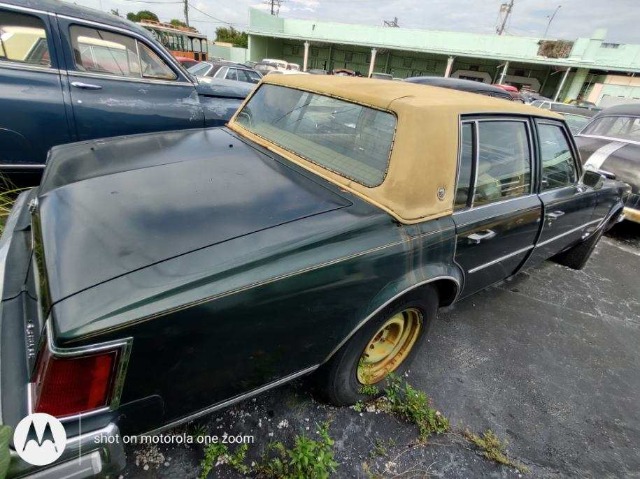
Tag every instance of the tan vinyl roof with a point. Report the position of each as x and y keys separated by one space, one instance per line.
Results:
x=420 y=181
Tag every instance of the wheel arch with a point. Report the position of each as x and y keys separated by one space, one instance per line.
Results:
x=447 y=285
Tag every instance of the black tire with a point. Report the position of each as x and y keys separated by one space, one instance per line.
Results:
x=577 y=256
x=337 y=380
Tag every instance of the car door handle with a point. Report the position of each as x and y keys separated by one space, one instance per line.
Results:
x=85 y=86
x=476 y=238
x=554 y=215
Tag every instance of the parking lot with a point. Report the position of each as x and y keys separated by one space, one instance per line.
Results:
x=547 y=360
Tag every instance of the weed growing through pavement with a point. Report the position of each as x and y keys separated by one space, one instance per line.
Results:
x=308 y=458
x=413 y=406
x=493 y=448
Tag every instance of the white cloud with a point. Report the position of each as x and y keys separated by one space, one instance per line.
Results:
x=576 y=18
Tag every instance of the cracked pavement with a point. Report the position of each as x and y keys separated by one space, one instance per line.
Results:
x=548 y=360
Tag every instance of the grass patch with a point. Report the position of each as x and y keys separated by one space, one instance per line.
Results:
x=216 y=454
x=493 y=448
x=308 y=458
x=413 y=406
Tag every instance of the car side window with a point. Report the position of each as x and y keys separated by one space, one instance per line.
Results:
x=23 y=39
x=152 y=65
x=232 y=75
x=558 y=164
x=466 y=160
x=504 y=161
x=100 y=51
x=221 y=73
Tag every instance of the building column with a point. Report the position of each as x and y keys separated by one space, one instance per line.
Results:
x=576 y=83
x=503 y=74
x=305 y=61
x=447 y=72
x=372 y=64
x=562 y=82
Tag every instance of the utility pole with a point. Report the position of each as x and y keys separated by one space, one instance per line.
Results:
x=186 y=12
x=505 y=12
x=275 y=6
x=391 y=23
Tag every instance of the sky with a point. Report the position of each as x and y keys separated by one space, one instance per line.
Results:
x=575 y=18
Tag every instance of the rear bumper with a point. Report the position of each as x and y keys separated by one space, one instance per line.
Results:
x=98 y=452
x=95 y=454
x=632 y=208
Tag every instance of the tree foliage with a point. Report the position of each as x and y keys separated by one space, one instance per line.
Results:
x=177 y=23
x=233 y=36
x=142 y=15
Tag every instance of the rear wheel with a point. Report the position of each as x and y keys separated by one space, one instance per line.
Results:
x=386 y=344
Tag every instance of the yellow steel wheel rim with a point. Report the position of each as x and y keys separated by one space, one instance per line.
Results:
x=389 y=346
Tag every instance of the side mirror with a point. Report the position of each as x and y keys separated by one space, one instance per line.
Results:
x=593 y=179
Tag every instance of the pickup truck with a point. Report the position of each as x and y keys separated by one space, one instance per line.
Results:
x=69 y=73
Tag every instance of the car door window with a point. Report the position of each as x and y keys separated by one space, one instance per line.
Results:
x=504 y=161
x=242 y=76
x=101 y=51
x=558 y=164
x=221 y=72
x=23 y=39
x=466 y=160
x=152 y=65
x=232 y=75
x=254 y=77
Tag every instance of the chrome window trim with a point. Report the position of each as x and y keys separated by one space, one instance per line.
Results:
x=609 y=138
x=501 y=258
x=573 y=230
x=476 y=120
x=387 y=303
x=229 y=402
x=25 y=9
x=124 y=78
x=161 y=53
x=19 y=166
x=575 y=154
x=28 y=66
x=124 y=347
x=475 y=208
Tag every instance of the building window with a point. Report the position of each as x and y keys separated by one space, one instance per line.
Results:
x=609 y=45
x=407 y=62
x=314 y=51
x=348 y=56
x=295 y=49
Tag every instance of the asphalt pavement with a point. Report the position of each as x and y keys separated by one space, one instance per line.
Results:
x=548 y=360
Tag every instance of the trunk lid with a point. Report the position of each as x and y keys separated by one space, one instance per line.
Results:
x=148 y=199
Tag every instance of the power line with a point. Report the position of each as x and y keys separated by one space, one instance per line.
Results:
x=208 y=15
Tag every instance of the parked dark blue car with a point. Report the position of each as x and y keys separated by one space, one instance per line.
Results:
x=69 y=73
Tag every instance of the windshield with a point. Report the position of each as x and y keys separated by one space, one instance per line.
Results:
x=349 y=139
x=622 y=127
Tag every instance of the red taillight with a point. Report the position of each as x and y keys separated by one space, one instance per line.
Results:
x=66 y=385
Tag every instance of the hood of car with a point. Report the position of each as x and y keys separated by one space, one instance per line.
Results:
x=110 y=207
x=619 y=157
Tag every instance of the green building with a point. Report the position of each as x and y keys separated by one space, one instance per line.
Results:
x=589 y=68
